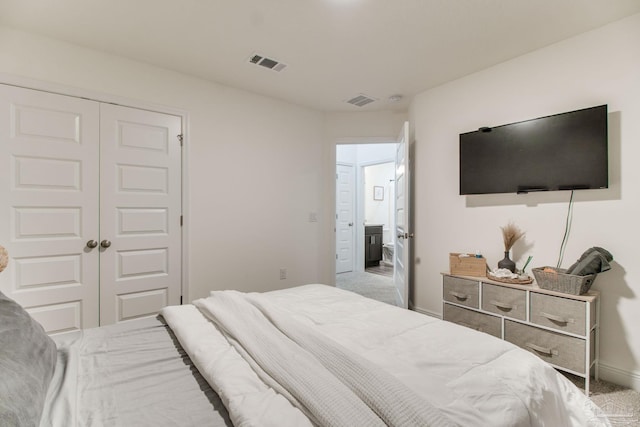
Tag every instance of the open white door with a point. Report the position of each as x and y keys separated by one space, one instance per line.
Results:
x=402 y=253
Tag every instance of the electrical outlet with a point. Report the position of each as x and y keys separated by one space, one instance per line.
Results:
x=313 y=217
x=283 y=273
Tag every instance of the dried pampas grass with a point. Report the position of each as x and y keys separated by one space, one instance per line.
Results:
x=4 y=258
x=510 y=235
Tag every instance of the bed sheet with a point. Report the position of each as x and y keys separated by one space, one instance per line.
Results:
x=130 y=374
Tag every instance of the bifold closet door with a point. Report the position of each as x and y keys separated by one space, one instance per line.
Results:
x=49 y=205
x=140 y=208
x=90 y=205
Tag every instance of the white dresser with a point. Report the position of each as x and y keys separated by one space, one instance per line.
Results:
x=560 y=328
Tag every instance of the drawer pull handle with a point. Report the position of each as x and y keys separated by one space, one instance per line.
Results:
x=502 y=305
x=459 y=295
x=543 y=350
x=557 y=319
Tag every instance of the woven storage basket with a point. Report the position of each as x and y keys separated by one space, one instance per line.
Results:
x=557 y=280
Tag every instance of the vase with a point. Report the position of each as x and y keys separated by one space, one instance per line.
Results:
x=507 y=263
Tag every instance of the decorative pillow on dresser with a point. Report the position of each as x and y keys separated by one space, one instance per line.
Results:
x=27 y=362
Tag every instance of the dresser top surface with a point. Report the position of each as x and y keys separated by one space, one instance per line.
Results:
x=590 y=296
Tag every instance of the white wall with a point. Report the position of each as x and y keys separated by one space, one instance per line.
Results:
x=256 y=165
x=599 y=67
x=364 y=125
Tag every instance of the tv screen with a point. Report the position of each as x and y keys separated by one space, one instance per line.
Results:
x=561 y=152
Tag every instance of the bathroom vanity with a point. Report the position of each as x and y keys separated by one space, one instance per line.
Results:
x=372 y=244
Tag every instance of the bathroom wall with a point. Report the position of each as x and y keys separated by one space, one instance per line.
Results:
x=380 y=211
x=361 y=155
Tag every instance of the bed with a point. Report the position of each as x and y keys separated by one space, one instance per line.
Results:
x=309 y=355
x=129 y=374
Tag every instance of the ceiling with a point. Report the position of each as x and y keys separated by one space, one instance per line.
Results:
x=333 y=49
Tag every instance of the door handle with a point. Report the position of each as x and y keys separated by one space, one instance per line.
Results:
x=405 y=236
x=92 y=244
x=105 y=244
x=350 y=224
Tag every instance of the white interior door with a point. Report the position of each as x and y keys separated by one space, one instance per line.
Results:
x=345 y=187
x=402 y=255
x=49 y=206
x=140 y=230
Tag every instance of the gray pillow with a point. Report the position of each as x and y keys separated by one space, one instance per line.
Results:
x=27 y=362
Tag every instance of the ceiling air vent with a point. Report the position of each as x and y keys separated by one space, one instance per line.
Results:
x=269 y=63
x=360 y=100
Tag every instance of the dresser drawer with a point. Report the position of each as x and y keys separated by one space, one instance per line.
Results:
x=561 y=350
x=559 y=313
x=460 y=291
x=472 y=319
x=504 y=301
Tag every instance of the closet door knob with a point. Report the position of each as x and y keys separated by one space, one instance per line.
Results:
x=92 y=244
x=105 y=244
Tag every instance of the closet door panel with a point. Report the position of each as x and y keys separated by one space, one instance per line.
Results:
x=140 y=212
x=49 y=151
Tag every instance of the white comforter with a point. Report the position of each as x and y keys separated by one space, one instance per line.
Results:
x=462 y=376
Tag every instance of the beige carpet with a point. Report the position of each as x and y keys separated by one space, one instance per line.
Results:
x=620 y=404
x=374 y=286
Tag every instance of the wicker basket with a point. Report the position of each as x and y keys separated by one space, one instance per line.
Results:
x=557 y=280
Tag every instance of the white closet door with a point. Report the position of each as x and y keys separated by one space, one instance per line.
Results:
x=140 y=196
x=49 y=205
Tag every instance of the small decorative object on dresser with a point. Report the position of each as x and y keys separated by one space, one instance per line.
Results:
x=505 y=276
x=507 y=263
x=467 y=264
x=510 y=235
x=4 y=258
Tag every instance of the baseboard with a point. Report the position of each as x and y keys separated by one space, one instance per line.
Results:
x=427 y=312
x=619 y=376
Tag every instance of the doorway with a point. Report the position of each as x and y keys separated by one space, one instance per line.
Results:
x=365 y=220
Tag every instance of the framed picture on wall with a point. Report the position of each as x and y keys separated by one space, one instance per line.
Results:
x=378 y=193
